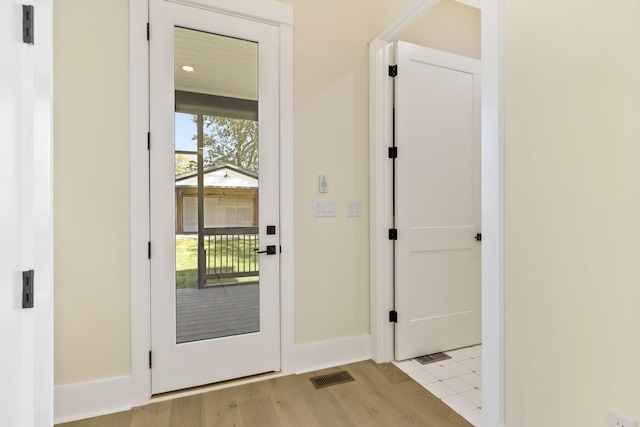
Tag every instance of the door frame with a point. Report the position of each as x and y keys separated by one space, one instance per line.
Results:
x=268 y=11
x=381 y=253
x=28 y=392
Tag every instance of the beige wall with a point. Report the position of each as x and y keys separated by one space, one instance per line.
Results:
x=451 y=27
x=91 y=190
x=572 y=204
x=381 y=12
x=331 y=137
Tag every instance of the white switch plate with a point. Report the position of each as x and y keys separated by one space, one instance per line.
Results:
x=616 y=419
x=324 y=207
x=354 y=208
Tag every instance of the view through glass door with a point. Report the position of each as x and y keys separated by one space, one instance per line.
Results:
x=215 y=280
x=216 y=179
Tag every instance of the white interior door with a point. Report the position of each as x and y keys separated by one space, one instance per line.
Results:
x=215 y=310
x=437 y=201
x=26 y=358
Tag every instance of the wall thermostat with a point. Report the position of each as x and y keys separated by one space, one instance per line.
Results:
x=323 y=186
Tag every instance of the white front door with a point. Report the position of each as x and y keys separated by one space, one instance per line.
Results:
x=437 y=201
x=214 y=148
x=26 y=358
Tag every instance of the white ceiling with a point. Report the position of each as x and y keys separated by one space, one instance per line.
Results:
x=224 y=66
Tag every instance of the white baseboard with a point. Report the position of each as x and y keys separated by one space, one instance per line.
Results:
x=91 y=399
x=327 y=354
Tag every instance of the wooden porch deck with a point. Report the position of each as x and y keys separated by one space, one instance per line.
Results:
x=217 y=311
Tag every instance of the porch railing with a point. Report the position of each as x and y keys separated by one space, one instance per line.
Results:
x=229 y=253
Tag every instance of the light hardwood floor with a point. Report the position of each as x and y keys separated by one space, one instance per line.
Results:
x=381 y=395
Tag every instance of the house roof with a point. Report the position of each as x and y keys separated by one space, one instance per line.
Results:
x=220 y=176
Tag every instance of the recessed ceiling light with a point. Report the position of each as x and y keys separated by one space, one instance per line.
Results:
x=188 y=68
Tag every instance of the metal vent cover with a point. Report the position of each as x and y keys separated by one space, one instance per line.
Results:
x=430 y=358
x=322 y=381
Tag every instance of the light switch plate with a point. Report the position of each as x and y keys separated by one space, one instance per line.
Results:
x=324 y=207
x=354 y=208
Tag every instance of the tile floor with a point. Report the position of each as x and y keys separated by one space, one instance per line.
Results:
x=456 y=381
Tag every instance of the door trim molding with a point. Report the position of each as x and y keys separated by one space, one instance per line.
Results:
x=493 y=369
x=270 y=11
x=380 y=189
x=381 y=261
x=139 y=202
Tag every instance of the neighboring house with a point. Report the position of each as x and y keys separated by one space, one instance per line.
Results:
x=230 y=198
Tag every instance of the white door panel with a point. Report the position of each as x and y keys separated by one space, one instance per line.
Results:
x=437 y=191
x=208 y=360
x=441 y=287
x=440 y=238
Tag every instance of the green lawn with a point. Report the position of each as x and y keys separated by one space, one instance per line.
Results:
x=187 y=262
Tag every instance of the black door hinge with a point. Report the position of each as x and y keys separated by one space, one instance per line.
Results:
x=393 y=234
x=148 y=31
x=27 y=289
x=393 y=316
x=149 y=250
x=393 y=70
x=150 y=360
x=393 y=152
x=148 y=140
x=27 y=24
x=479 y=237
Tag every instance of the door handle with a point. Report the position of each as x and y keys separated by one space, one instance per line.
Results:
x=271 y=250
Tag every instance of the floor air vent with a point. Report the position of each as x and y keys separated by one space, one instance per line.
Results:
x=430 y=358
x=323 y=381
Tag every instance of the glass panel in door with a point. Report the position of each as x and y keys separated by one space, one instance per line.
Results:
x=216 y=186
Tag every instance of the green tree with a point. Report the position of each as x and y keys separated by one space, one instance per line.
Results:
x=232 y=141
x=184 y=163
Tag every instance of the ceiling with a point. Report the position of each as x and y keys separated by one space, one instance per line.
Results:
x=223 y=66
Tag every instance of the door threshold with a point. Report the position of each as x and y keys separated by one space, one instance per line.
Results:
x=185 y=392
